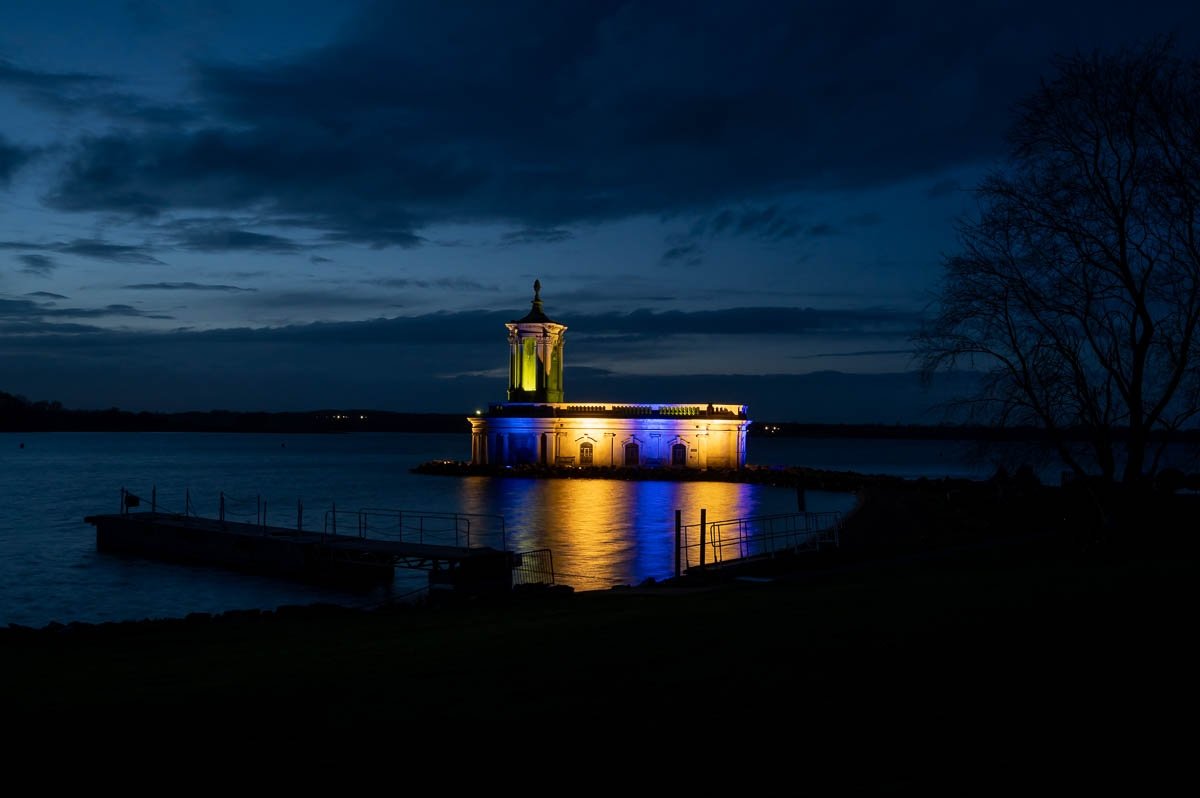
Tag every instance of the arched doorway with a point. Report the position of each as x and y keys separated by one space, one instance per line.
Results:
x=631 y=454
x=585 y=454
x=679 y=455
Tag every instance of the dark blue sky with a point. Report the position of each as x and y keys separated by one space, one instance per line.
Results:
x=293 y=205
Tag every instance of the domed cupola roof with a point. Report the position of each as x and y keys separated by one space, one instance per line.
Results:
x=536 y=315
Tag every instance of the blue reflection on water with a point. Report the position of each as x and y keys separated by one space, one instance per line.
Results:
x=604 y=532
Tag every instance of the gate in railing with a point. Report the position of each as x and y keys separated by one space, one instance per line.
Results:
x=534 y=567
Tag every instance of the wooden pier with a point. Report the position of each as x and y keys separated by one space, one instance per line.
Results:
x=348 y=560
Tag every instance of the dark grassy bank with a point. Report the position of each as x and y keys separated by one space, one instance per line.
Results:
x=979 y=634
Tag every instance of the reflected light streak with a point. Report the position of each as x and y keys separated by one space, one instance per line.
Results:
x=606 y=531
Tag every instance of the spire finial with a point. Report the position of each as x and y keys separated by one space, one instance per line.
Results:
x=537 y=289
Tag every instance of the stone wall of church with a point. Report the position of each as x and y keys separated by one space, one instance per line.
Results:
x=602 y=442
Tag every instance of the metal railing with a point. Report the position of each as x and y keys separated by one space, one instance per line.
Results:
x=711 y=544
x=464 y=530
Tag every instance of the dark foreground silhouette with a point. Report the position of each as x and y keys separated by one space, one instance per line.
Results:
x=973 y=636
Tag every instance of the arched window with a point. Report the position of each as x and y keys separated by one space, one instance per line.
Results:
x=679 y=454
x=631 y=454
x=585 y=453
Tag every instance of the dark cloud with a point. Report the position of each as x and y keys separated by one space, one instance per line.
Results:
x=29 y=79
x=250 y=369
x=685 y=254
x=233 y=240
x=36 y=327
x=12 y=157
x=771 y=223
x=90 y=248
x=390 y=233
x=532 y=235
x=868 y=219
x=747 y=321
x=766 y=222
x=71 y=92
x=26 y=310
x=862 y=353
x=469 y=328
x=184 y=287
x=102 y=250
x=310 y=299
x=38 y=264
x=451 y=283
x=540 y=115
x=46 y=294
x=943 y=188
x=319 y=259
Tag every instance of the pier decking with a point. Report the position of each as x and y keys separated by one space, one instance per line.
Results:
x=348 y=560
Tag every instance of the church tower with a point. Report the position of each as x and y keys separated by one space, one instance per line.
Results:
x=535 y=355
x=535 y=425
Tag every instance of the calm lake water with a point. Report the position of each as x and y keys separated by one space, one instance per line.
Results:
x=601 y=532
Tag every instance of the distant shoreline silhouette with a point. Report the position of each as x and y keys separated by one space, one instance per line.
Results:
x=18 y=414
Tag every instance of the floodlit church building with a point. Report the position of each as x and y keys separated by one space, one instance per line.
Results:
x=536 y=426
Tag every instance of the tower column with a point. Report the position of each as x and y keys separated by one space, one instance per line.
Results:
x=535 y=355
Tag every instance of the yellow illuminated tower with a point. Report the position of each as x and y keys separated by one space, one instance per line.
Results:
x=535 y=425
x=535 y=355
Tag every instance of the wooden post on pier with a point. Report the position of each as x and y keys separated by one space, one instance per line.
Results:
x=678 y=539
x=703 y=533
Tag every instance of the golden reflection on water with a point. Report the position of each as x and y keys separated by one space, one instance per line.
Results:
x=603 y=531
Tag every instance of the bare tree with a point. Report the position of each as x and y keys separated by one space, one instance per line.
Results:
x=1077 y=287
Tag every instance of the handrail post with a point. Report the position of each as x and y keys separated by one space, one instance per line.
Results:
x=703 y=532
x=335 y=519
x=678 y=539
x=221 y=514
